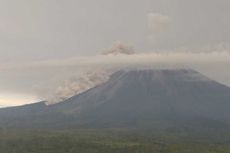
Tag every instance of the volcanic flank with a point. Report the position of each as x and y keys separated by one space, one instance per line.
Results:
x=135 y=98
x=79 y=84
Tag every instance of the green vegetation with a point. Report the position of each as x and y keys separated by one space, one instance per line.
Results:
x=106 y=141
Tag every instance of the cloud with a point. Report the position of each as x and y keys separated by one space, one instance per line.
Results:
x=64 y=77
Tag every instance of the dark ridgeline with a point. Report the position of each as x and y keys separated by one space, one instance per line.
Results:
x=157 y=99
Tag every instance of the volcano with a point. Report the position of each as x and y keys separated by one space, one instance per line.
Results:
x=143 y=98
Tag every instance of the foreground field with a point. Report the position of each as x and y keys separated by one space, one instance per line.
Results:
x=107 y=141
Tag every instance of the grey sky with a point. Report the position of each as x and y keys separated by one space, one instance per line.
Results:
x=43 y=30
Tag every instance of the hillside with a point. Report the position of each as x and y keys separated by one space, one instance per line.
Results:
x=155 y=99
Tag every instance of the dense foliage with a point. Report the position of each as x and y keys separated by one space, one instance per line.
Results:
x=106 y=141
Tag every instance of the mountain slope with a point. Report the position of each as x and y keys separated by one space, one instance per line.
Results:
x=130 y=98
x=139 y=99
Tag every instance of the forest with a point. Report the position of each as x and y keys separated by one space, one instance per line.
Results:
x=108 y=141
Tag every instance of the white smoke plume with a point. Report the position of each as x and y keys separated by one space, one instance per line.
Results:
x=159 y=26
x=158 y=23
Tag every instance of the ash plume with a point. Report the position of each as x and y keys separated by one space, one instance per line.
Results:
x=78 y=84
x=119 y=48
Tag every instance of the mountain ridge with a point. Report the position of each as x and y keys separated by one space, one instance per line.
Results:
x=135 y=98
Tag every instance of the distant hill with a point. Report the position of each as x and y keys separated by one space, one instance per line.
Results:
x=153 y=99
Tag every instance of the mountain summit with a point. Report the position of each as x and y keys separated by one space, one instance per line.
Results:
x=138 y=98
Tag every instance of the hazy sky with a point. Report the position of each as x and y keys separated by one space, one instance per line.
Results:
x=42 y=29
x=45 y=30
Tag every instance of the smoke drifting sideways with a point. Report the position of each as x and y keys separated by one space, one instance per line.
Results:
x=56 y=80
